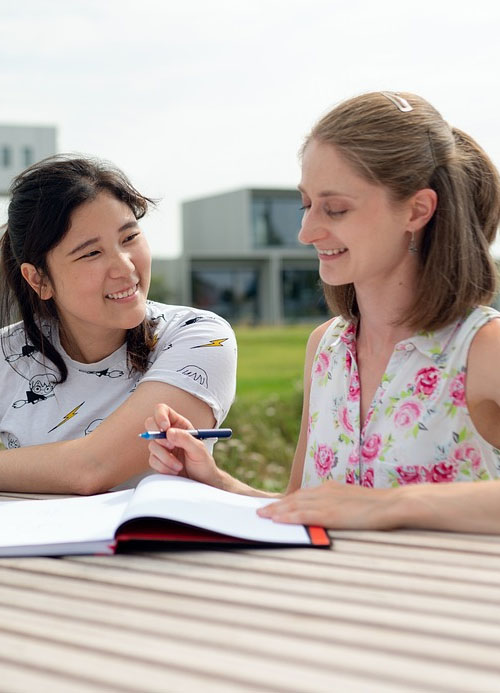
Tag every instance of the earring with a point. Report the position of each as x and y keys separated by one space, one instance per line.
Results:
x=412 y=248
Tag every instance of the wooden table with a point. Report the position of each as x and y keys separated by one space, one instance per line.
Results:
x=396 y=611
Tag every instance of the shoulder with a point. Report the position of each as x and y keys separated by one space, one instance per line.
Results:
x=486 y=341
x=174 y=323
x=16 y=330
x=185 y=316
x=317 y=335
x=483 y=371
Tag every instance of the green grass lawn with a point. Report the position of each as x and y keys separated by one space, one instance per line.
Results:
x=270 y=360
x=265 y=417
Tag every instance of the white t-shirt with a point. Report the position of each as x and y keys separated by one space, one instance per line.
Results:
x=195 y=351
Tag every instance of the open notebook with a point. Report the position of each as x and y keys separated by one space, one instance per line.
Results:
x=162 y=512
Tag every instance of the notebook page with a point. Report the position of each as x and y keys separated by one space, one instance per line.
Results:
x=62 y=520
x=184 y=500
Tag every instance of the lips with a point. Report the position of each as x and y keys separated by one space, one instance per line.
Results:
x=123 y=294
x=331 y=251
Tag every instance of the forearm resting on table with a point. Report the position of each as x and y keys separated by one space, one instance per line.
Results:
x=49 y=468
x=226 y=482
x=458 y=507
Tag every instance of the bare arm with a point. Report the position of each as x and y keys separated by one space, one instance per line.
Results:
x=300 y=451
x=109 y=455
x=179 y=453
x=458 y=507
x=461 y=507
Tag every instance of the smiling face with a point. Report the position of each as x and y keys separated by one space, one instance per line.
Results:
x=99 y=275
x=360 y=234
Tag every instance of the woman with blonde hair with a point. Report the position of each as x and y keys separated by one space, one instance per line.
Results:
x=402 y=388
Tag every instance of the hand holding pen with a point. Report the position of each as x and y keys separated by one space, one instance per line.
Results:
x=176 y=446
x=200 y=433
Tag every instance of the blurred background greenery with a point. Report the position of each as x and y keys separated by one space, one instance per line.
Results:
x=265 y=416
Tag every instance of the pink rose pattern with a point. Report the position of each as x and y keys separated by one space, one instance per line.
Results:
x=350 y=477
x=354 y=389
x=324 y=460
x=407 y=414
x=457 y=390
x=367 y=479
x=371 y=448
x=423 y=419
x=426 y=381
x=344 y=420
x=466 y=452
x=322 y=364
x=442 y=471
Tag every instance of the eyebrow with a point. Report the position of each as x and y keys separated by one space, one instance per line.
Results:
x=328 y=193
x=128 y=225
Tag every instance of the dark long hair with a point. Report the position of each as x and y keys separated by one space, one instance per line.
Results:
x=406 y=150
x=43 y=198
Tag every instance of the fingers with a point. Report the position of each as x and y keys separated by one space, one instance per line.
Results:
x=163 y=461
x=300 y=507
x=164 y=417
x=194 y=449
x=180 y=453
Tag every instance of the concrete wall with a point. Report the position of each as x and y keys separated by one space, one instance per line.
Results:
x=220 y=223
x=23 y=145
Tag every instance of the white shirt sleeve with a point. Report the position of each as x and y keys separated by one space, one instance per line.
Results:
x=196 y=352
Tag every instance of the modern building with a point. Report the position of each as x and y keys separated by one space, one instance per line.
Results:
x=21 y=146
x=242 y=259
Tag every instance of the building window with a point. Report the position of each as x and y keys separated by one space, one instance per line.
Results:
x=27 y=156
x=6 y=156
x=276 y=221
x=229 y=293
x=302 y=295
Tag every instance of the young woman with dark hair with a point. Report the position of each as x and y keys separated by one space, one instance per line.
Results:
x=90 y=355
x=402 y=388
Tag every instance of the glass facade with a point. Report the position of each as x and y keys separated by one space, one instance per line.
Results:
x=276 y=220
x=6 y=156
x=302 y=295
x=233 y=294
x=28 y=156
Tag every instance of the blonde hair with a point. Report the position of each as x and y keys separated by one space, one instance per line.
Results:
x=405 y=151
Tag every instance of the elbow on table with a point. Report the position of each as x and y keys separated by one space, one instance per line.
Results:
x=91 y=476
x=97 y=466
x=87 y=484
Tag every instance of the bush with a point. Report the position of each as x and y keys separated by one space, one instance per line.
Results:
x=265 y=434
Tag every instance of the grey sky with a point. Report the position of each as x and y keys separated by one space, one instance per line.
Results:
x=196 y=97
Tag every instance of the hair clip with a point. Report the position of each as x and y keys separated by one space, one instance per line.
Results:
x=398 y=101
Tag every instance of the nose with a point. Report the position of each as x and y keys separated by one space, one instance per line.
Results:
x=121 y=265
x=312 y=229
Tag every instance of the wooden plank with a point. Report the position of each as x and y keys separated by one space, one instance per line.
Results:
x=214 y=598
x=33 y=496
x=402 y=612
x=370 y=553
x=20 y=679
x=219 y=568
x=442 y=541
x=346 y=567
x=73 y=645
x=234 y=627
x=191 y=580
x=102 y=670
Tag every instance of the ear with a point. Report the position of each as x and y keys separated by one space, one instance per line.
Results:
x=38 y=281
x=422 y=206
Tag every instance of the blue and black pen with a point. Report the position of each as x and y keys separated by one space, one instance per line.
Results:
x=200 y=433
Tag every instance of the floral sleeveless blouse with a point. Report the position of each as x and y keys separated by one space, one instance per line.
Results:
x=418 y=428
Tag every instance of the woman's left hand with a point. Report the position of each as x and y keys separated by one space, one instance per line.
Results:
x=336 y=506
